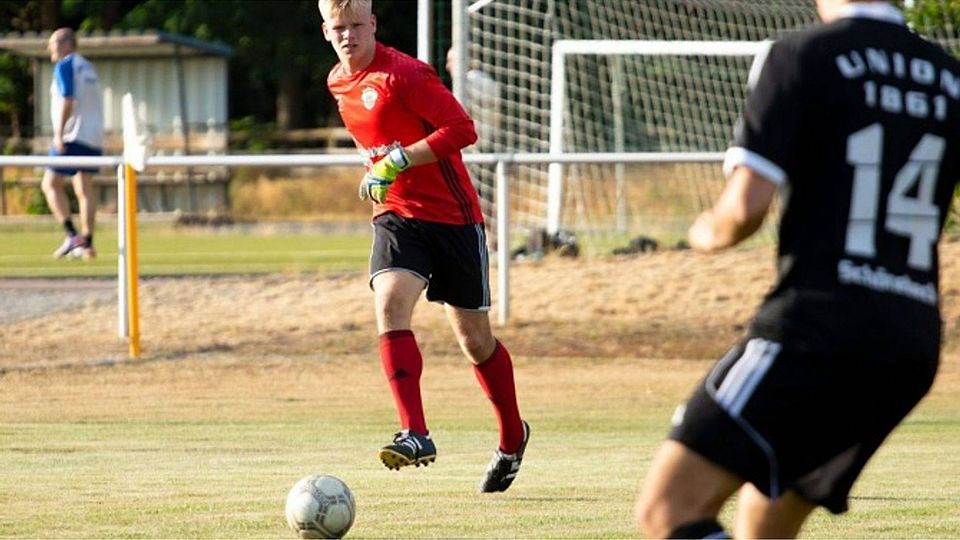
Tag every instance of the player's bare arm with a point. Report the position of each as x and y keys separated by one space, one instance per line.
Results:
x=66 y=111
x=737 y=214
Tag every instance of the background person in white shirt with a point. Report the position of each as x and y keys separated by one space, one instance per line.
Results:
x=76 y=110
x=483 y=104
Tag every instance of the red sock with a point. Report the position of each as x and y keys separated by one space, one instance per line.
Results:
x=403 y=365
x=496 y=379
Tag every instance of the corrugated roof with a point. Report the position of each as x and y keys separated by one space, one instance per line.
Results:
x=134 y=44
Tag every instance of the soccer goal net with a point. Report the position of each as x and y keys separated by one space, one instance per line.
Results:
x=616 y=92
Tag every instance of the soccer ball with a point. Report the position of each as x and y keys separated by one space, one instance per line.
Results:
x=320 y=506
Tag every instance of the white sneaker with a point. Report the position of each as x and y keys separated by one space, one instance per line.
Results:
x=70 y=244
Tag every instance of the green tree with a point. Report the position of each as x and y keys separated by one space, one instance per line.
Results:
x=938 y=19
x=280 y=63
x=15 y=79
x=14 y=95
x=270 y=60
x=281 y=60
x=95 y=15
x=36 y=16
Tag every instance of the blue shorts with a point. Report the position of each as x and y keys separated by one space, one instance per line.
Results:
x=74 y=149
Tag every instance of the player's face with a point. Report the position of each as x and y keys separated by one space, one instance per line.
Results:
x=58 y=48
x=353 y=37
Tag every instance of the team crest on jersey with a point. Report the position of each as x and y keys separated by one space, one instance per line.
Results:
x=369 y=97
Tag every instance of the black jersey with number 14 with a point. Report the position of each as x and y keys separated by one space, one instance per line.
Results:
x=859 y=121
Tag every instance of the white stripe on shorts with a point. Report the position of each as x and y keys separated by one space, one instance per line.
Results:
x=742 y=379
x=484 y=265
x=738 y=387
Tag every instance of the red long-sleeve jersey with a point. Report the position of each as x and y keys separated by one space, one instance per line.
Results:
x=396 y=101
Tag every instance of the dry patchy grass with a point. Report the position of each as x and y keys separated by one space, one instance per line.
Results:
x=674 y=304
x=248 y=382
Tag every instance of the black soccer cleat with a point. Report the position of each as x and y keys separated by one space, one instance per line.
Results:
x=408 y=448
x=503 y=468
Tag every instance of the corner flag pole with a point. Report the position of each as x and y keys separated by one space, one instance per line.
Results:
x=130 y=182
x=123 y=314
x=135 y=151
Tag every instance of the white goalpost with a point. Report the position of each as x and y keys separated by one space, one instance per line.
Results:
x=562 y=49
x=619 y=76
x=136 y=158
x=607 y=119
x=508 y=165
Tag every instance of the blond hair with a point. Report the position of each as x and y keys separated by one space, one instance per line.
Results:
x=349 y=8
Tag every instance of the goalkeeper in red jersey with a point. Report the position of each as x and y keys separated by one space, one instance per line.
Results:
x=428 y=229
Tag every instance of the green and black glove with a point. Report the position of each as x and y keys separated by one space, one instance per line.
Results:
x=380 y=177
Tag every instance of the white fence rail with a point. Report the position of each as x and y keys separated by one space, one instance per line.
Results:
x=503 y=162
x=325 y=160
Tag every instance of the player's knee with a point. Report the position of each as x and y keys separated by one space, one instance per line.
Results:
x=86 y=200
x=83 y=185
x=477 y=346
x=652 y=517
x=51 y=183
x=393 y=311
x=82 y=193
x=393 y=316
x=657 y=522
x=659 y=517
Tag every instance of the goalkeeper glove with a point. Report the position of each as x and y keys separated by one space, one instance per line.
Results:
x=380 y=177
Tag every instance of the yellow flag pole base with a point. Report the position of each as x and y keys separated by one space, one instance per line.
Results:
x=130 y=182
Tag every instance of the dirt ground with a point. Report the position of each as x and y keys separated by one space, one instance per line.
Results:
x=672 y=304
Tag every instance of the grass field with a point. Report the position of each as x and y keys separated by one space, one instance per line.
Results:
x=166 y=249
x=250 y=382
x=207 y=447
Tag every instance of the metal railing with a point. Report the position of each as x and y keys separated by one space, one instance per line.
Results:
x=503 y=162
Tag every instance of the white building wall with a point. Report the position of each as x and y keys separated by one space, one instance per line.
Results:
x=153 y=82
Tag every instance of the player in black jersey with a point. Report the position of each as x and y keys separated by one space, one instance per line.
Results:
x=857 y=123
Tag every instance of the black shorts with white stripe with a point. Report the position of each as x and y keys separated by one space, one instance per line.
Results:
x=452 y=260
x=787 y=416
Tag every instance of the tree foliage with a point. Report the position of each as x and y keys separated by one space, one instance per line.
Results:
x=935 y=17
x=15 y=86
x=280 y=62
x=272 y=43
x=14 y=95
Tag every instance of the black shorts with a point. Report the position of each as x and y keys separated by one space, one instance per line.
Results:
x=452 y=260
x=799 y=417
x=74 y=149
